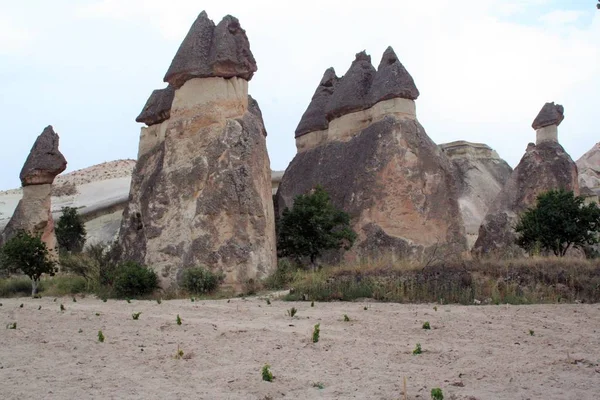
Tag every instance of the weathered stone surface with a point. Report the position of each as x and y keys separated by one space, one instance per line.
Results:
x=45 y=161
x=315 y=118
x=550 y=114
x=481 y=174
x=209 y=51
x=392 y=80
x=400 y=190
x=353 y=89
x=158 y=107
x=201 y=190
x=543 y=167
x=589 y=170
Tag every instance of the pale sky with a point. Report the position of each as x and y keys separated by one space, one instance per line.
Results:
x=484 y=67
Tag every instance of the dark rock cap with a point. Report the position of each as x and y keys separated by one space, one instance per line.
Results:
x=314 y=118
x=352 y=92
x=550 y=114
x=392 y=80
x=158 y=106
x=209 y=51
x=45 y=161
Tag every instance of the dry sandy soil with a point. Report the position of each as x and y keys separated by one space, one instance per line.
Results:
x=472 y=352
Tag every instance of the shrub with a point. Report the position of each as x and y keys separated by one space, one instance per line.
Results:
x=70 y=231
x=436 y=394
x=266 y=373
x=178 y=320
x=426 y=325
x=28 y=254
x=199 y=280
x=133 y=279
x=136 y=315
x=292 y=312
x=101 y=337
x=417 y=349
x=283 y=275
x=316 y=333
x=346 y=318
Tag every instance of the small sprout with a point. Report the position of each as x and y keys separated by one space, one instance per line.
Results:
x=101 y=337
x=12 y=326
x=179 y=354
x=312 y=303
x=159 y=300
x=292 y=311
x=62 y=307
x=531 y=332
x=104 y=300
x=426 y=325
x=434 y=308
x=80 y=330
x=266 y=373
x=97 y=314
x=346 y=318
x=0 y=304
x=316 y=333
x=21 y=306
x=128 y=300
x=268 y=301
x=436 y=394
x=365 y=308
x=318 y=385
x=192 y=299
x=74 y=300
x=417 y=349
x=228 y=300
x=136 y=315
x=178 y=320
x=39 y=308
x=54 y=300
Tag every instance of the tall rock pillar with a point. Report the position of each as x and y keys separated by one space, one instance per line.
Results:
x=201 y=189
x=33 y=213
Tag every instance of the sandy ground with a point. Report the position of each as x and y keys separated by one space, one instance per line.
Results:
x=474 y=352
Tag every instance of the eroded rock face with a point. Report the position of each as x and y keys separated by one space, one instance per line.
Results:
x=589 y=170
x=158 y=107
x=378 y=164
x=481 y=174
x=201 y=189
x=33 y=213
x=544 y=167
x=212 y=51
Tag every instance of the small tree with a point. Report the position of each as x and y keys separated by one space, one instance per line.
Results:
x=313 y=225
x=560 y=220
x=70 y=231
x=28 y=254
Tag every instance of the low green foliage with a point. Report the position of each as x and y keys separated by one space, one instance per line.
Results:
x=178 y=320
x=434 y=308
x=436 y=394
x=133 y=279
x=17 y=287
x=179 y=353
x=292 y=312
x=531 y=332
x=74 y=300
x=12 y=326
x=283 y=275
x=316 y=333
x=136 y=315
x=200 y=280
x=418 y=349
x=128 y=301
x=62 y=307
x=346 y=318
x=426 y=325
x=101 y=337
x=29 y=255
x=266 y=373
x=318 y=385
x=268 y=301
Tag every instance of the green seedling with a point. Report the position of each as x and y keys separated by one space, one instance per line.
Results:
x=365 y=308
x=54 y=300
x=104 y=300
x=268 y=302
x=62 y=307
x=101 y=337
x=12 y=326
x=531 y=332
x=179 y=354
x=128 y=300
x=74 y=300
x=346 y=318
x=159 y=301
x=266 y=373
x=21 y=306
x=97 y=314
x=80 y=330
x=318 y=385
x=417 y=349
x=426 y=325
x=136 y=315
x=436 y=394
x=316 y=333
x=434 y=308
x=228 y=300
x=312 y=303
x=192 y=299
x=39 y=308
x=292 y=311
x=178 y=320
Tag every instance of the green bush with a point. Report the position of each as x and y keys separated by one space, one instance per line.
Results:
x=199 y=280
x=283 y=275
x=133 y=279
x=16 y=287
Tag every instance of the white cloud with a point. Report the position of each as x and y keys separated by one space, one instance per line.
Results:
x=14 y=37
x=561 y=17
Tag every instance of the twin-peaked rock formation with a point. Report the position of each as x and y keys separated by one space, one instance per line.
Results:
x=545 y=166
x=201 y=189
x=33 y=213
x=360 y=139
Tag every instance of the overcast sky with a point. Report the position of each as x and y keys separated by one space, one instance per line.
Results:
x=484 y=67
